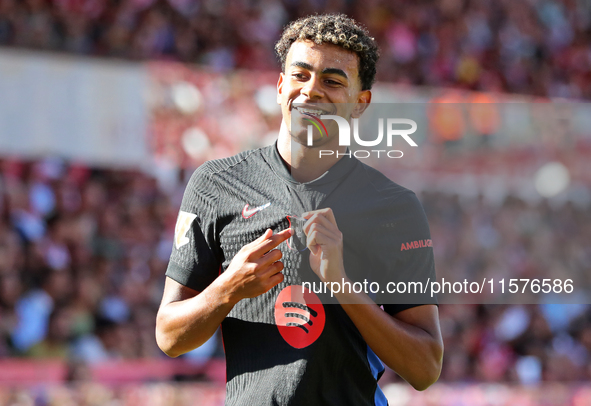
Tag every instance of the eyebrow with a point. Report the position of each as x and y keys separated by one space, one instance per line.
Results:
x=335 y=71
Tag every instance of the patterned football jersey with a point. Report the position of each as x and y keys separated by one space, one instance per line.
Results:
x=296 y=346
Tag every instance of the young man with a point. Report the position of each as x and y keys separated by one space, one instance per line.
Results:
x=235 y=262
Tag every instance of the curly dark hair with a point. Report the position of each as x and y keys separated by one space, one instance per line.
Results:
x=335 y=29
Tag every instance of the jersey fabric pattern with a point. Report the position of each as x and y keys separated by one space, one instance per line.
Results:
x=376 y=216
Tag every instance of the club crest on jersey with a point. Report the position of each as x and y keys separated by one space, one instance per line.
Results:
x=183 y=223
x=248 y=213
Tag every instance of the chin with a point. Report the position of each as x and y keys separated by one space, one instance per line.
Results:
x=300 y=138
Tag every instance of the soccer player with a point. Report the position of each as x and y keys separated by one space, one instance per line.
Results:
x=236 y=262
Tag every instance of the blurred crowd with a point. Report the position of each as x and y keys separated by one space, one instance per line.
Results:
x=83 y=250
x=512 y=239
x=83 y=253
x=536 y=47
x=82 y=259
x=165 y=394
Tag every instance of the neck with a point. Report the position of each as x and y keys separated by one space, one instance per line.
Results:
x=303 y=161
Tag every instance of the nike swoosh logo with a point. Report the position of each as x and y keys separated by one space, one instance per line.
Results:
x=248 y=213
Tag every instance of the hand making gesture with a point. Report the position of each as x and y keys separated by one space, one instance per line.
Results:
x=325 y=241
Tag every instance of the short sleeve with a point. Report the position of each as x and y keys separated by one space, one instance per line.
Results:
x=196 y=257
x=408 y=253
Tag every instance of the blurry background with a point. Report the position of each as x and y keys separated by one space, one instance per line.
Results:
x=107 y=106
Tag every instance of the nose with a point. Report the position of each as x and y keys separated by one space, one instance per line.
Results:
x=312 y=89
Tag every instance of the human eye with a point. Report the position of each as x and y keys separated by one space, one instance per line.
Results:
x=298 y=75
x=332 y=82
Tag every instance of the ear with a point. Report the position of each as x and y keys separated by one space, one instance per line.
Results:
x=363 y=101
x=279 y=88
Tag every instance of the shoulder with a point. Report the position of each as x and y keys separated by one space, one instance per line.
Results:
x=210 y=182
x=378 y=183
x=233 y=162
x=227 y=167
x=221 y=165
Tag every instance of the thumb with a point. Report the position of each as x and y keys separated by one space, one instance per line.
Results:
x=314 y=249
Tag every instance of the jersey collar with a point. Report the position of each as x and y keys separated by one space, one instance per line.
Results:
x=345 y=165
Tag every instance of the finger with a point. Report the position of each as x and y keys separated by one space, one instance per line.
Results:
x=318 y=228
x=271 y=242
x=269 y=258
x=272 y=269
x=326 y=212
x=268 y=232
x=324 y=216
x=275 y=280
x=321 y=220
x=317 y=239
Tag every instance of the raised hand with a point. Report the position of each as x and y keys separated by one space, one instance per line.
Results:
x=256 y=268
x=325 y=241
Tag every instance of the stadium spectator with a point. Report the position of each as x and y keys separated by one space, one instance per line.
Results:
x=94 y=243
x=114 y=227
x=539 y=48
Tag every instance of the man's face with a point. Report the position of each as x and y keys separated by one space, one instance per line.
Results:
x=319 y=80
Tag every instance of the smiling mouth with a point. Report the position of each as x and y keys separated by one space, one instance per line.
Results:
x=310 y=111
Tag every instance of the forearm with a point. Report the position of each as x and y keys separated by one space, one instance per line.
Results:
x=187 y=318
x=412 y=352
x=410 y=343
x=184 y=325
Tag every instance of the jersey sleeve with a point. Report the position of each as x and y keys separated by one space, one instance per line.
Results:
x=411 y=265
x=196 y=254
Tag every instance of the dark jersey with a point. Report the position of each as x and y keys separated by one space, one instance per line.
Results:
x=295 y=346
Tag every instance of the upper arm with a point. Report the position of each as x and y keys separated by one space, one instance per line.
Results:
x=196 y=253
x=403 y=253
x=425 y=317
x=174 y=292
